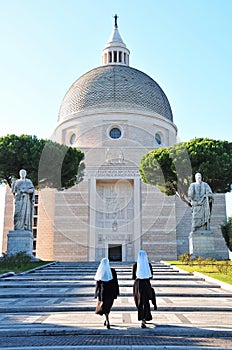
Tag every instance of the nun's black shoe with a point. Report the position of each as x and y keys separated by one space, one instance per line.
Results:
x=143 y=324
x=108 y=326
x=104 y=323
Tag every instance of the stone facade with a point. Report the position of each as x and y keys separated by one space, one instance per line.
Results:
x=44 y=248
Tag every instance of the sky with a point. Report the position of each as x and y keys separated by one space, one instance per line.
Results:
x=184 y=45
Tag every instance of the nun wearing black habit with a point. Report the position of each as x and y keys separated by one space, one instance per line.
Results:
x=107 y=289
x=143 y=292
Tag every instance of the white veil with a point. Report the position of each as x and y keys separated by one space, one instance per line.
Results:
x=104 y=272
x=143 y=268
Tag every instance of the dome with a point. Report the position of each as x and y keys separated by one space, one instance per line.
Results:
x=114 y=87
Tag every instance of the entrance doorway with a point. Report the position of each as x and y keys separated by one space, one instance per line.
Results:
x=115 y=252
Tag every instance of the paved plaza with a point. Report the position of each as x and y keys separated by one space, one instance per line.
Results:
x=53 y=307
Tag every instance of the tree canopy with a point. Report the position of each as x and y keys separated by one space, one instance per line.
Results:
x=227 y=233
x=172 y=169
x=48 y=164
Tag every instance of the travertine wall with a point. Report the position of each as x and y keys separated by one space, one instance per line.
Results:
x=218 y=218
x=158 y=224
x=45 y=228
x=8 y=217
x=71 y=226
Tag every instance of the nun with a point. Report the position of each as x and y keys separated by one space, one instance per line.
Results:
x=107 y=289
x=143 y=292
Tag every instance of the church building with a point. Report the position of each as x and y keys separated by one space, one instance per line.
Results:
x=115 y=114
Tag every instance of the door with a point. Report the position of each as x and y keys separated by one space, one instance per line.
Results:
x=115 y=252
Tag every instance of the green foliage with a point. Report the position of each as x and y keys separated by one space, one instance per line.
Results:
x=172 y=169
x=227 y=233
x=15 y=261
x=207 y=265
x=18 y=263
x=184 y=258
x=48 y=164
x=225 y=267
x=156 y=169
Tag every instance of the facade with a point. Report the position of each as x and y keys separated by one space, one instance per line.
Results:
x=115 y=114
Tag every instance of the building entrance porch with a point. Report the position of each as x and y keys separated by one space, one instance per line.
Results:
x=115 y=231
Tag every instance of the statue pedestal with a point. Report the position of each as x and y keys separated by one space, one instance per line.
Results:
x=202 y=243
x=20 y=241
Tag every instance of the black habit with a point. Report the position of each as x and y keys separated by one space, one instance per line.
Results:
x=107 y=292
x=143 y=293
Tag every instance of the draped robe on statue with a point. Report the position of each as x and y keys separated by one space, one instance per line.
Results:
x=201 y=197
x=23 y=191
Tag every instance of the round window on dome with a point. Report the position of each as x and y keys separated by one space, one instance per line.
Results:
x=158 y=139
x=115 y=133
x=72 y=139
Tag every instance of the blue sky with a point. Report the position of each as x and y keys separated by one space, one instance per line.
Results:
x=184 y=45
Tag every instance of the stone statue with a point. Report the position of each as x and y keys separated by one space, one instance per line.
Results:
x=24 y=197
x=201 y=199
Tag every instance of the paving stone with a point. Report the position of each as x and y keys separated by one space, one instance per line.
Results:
x=53 y=308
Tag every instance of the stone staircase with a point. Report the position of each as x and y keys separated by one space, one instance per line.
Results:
x=52 y=307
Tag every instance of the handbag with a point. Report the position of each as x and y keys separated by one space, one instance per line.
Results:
x=99 y=310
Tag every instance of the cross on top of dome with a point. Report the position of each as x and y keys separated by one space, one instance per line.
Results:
x=115 y=21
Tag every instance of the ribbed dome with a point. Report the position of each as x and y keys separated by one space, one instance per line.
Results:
x=114 y=87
